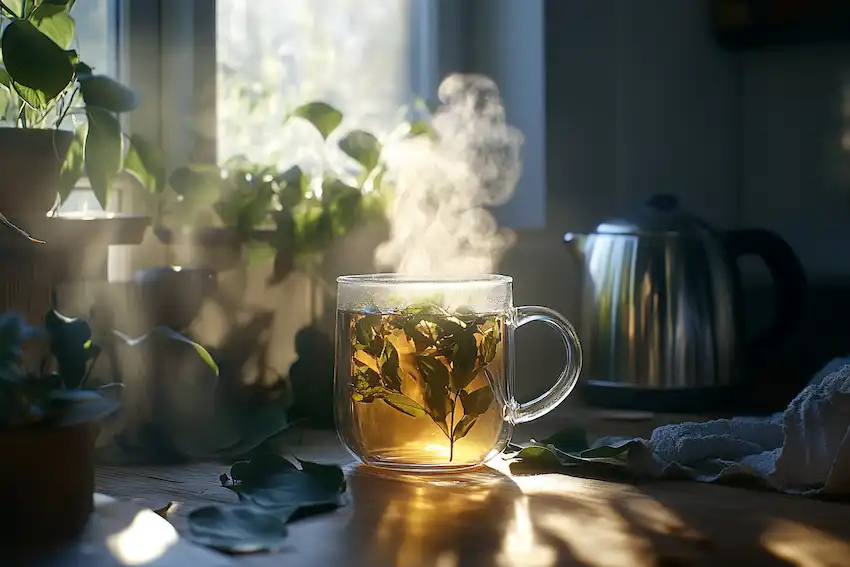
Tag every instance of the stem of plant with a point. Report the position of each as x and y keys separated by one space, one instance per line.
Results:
x=452 y=431
x=67 y=108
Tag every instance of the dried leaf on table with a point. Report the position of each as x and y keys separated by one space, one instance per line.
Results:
x=272 y=492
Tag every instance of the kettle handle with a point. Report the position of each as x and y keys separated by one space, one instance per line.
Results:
x=789 y=282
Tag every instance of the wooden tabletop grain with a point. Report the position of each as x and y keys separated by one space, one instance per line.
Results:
x=490 y=518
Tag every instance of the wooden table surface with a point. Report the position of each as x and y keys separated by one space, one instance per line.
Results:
x=490 y=518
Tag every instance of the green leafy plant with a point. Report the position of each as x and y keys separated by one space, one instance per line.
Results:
x=272 y=492
x=286 y=215
x=49 y=390
x=42 y=80
x=441 y=353
x=44 y=371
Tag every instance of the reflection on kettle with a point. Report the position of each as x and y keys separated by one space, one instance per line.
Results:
x=661 y=313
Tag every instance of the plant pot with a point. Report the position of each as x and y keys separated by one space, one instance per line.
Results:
x=31 y=161
x=49 y=476
x=172 y=296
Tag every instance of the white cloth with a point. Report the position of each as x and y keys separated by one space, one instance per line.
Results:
x=803 y=450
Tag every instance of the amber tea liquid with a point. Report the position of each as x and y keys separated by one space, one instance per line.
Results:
x=422 y=388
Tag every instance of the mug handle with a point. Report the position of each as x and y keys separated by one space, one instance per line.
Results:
x=565 y=383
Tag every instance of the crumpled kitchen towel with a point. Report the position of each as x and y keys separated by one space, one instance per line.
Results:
x=803 y=450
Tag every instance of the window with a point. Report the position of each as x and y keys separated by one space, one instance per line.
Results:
x=356 y=55
x=217 y=77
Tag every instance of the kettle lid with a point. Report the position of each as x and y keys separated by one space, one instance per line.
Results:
x=659 y=214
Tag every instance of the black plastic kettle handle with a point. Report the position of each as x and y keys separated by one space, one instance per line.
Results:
x=789 y=282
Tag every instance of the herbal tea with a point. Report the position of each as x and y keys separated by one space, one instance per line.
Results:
x=425 y=386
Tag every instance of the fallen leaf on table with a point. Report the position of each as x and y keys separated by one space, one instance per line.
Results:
x=274 y=482
x=568 y=449
x=272 y=492
x=237 y=529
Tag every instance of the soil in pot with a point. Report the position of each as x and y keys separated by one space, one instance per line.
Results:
x=49 y=477
x=31 y=160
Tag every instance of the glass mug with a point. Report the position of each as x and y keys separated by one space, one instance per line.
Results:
x=424 y=371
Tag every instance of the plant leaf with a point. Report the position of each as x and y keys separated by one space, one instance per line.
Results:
x=5 y=100
x=40 y=69
x=73 y=166
x=146 y=162
x=72 y=407
x=390 y=367
x=477 y=402
x=104 y=151
x=107 y=93
x=54 y=21
x=363 y=147
x=463 y=427
x=174 y=335
x=323 y=116
x=293 y=186
x=289 y=490
x=68 y=338
x=403 y=404
x=202 y=352
x=237 y=529
x=464 y=360
x=19 y=8
x=199 y=184
x=434 y=372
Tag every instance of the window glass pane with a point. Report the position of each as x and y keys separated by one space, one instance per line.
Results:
x=273 y=56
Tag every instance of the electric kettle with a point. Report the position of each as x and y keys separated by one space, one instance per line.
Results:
x=661 y=309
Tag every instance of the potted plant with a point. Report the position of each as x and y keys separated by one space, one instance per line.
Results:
x=48 y=425
x=43 y=83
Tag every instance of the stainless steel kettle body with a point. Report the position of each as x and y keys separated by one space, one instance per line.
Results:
x=661 y=300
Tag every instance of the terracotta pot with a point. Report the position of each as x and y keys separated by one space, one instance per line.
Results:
x=50 y=479
x=30 y=162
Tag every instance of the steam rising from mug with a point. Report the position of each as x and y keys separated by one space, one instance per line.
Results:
x=440 y=225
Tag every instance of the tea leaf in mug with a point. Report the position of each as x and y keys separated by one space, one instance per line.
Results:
x=463 y=427
x=402 y=403
x=367 y=385
x=476 y=402
x=489 y=345
x=390 y=370
x=438 y=404
x=428 y=307
x=446 y=326
x=368 y=360
x=434 y=373
x=464 y=362
x=419 y=332
x=367 y=333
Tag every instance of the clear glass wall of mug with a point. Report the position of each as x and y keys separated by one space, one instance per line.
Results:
x=425 y=369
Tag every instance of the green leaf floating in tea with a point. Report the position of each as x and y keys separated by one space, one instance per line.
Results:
x=443 y=355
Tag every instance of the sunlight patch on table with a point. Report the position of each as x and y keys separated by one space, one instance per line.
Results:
x=146 y=539
x=802 y=545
